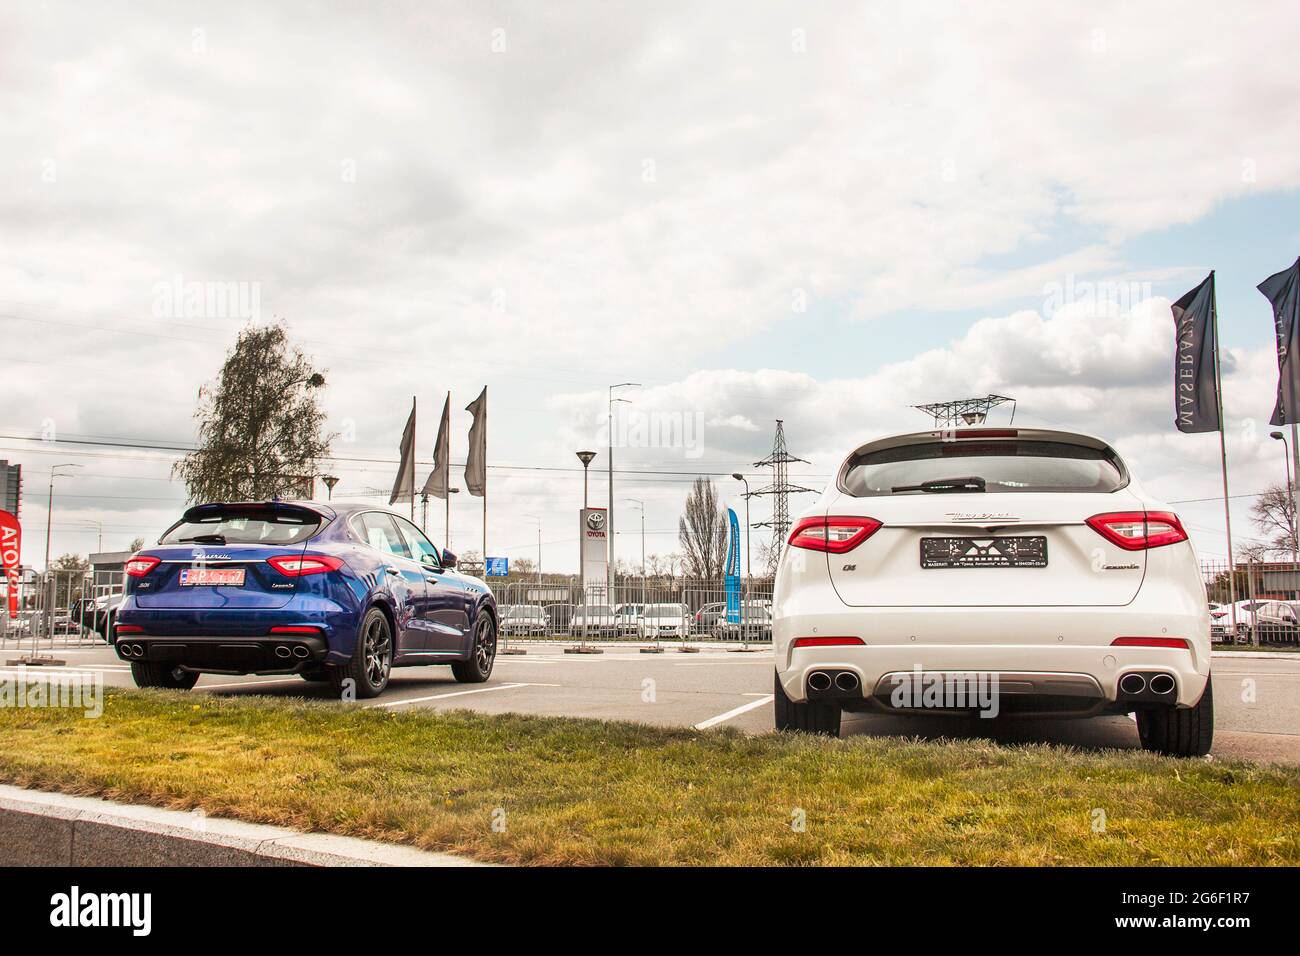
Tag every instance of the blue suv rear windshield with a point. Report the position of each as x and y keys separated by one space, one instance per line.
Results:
x=251 y=526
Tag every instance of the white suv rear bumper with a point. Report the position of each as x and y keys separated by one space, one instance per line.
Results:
x=1074 y=642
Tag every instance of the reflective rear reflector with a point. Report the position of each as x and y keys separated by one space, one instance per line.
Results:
x=1177 y=642
x=827 y=641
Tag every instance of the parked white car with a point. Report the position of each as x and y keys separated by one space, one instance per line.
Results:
x=596 y=620
x=1025 y=567
x=1221 y=619
x=524 y=620
x=665 y=620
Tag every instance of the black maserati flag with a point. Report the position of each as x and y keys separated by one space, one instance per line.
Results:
x=404 y=483
x=1196 y=386
x=476 y=463
x=438 y=480
x=1283 y=292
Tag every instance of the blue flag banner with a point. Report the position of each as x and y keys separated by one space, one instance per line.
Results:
x=733 y=569
x=498 y=567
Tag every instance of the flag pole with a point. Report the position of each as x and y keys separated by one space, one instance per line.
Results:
x=414 y=445
x=485 y=481
x=1223 y=454
x=446 y=518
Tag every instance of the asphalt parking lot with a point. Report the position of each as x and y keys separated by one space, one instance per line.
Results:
x=1257 y=700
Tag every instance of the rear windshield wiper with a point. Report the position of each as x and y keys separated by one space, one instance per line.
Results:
x=205 y=539
x=940 y=485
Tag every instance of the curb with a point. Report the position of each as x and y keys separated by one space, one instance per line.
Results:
x=54 y=829
x=1258 y=655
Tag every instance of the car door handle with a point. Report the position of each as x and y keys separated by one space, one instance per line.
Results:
x=392 y=570
x=432 y=579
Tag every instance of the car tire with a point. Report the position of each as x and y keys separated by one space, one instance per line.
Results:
x=155 y=674
x=366 y=674
x=809 y=717
x=1188 y=732
x=482 y=654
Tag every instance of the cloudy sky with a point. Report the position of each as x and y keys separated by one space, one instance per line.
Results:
x=756 y=211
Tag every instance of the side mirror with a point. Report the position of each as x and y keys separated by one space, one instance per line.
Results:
x=448 y=559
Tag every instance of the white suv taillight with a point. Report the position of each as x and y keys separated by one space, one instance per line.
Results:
x=1139 y=530
x=834 y=534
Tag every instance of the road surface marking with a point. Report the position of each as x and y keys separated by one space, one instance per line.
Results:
x=253 y=683
x=456 y=693
x=743 y=708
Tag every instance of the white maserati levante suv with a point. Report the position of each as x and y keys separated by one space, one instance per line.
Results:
x=993 y=571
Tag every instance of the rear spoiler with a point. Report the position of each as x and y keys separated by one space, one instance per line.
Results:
x=289 y=509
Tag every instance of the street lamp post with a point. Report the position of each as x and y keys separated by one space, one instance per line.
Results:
x=581 y=647
x=586 y=458
x=34 y=657
x=642 y=504
x=609 y=517
x=1286 y=455
x=749 y=570
x=446 y=527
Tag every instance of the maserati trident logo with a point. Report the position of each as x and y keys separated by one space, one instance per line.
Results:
x=596 y=521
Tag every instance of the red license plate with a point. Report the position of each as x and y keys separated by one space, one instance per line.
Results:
x=225 y=577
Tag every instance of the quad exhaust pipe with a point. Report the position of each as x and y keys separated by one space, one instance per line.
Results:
x=819 y=680
x=1132 y=683
x=834 y=684
x=1151 y=688
x=133 y=650
x=1161 y=684
x=282 y=651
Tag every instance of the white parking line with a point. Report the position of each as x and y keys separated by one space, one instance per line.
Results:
x=456 y=693
x=743 y=708
x=253 y=683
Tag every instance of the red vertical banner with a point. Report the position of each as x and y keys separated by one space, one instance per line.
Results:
x=11 y=543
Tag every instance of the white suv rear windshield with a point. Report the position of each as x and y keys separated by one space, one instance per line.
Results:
x=973 y=466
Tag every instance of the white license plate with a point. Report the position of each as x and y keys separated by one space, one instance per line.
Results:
x=212 y=577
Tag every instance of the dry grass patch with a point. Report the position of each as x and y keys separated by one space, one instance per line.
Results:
x=588 y=792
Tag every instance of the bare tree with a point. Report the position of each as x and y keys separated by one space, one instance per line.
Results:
x=702 y=532
x=1273 y=516
x=260 y=424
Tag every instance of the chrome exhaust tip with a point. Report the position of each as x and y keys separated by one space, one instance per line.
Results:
x=846 y=681
x=300 y=651
x=1132 y=683
x=1162 y=684
x=819 y=680
x=283 y=651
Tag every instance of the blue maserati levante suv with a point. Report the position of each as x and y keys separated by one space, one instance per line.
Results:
x=338 y=593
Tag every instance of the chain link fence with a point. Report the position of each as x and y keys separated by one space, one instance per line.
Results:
x=675 y=610
x=1266 y=609
x=62 y=608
